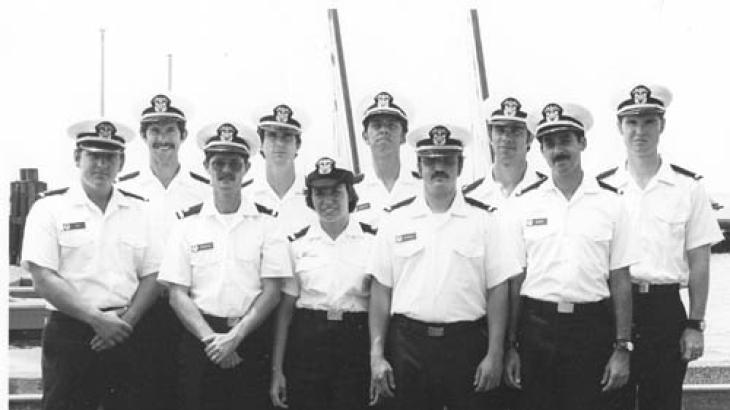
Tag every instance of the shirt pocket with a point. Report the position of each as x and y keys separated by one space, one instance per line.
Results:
x=671 y=224
x=131 y=254
x=311 y=272
x=76 y=248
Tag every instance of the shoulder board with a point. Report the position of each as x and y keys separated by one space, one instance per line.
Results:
x=264 y=210
x=368 y=228
x=297 y=235
x=685 y=172
x=126 y=177
x=132 y=195
x=606 y=174
x=193 y=210
x=246 y=183
x=479 y=204
x=608 y=187
x=415 y=174
x=534 y=185
x=472 y=186
x=59 y=191
x=400 y=204
x=200 y=178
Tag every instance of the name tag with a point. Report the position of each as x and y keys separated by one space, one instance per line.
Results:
x=405 y=237
x=74 y=225
x=362 y=207
x=537 y=222
x=202 y=247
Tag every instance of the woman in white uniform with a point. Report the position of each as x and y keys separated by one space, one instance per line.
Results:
x=321 y=353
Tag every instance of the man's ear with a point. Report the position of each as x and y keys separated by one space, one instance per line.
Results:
x=77 y=157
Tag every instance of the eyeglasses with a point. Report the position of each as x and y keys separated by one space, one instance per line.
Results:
x=220 y=164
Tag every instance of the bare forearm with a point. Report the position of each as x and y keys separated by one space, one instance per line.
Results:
x=261 y=308
x=620 y=284
x=515 y=284
x=188 y=312
x=699 y=280
x=284 y=314
x=145 y=296
x=379 y=317
x=497 y=309
x=61 y=294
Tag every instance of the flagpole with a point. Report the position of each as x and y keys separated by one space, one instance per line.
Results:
x=169 y=72
x=482 y=93
x=339 y=61
x=101 y=96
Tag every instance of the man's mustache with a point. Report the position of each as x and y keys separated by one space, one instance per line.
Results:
x=439 y=174
x=560 y=157
x=163 y=145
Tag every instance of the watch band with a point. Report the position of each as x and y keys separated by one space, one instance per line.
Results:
x=696 y=324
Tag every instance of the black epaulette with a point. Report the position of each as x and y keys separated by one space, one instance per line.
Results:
x=472 y=186
x=542 y=178
x=368 y=228
x=266 y=211
x=200 y=178
x=131 y=175
x=59 y=191
x=193 y=210
x=132 y=195
x=479 y=204
x=606 y=174
x=400 y=204
x=608 y=187
x=300 y=234
x=685 y=172
x=416 y=174
x=247 y=183
x=358 y=178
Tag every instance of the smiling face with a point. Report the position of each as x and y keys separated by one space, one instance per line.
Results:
x=331 y=202
x=163 y=138
x=562 y=151
x=641 y=133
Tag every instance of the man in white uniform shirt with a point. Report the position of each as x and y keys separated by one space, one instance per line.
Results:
x=441 y=271
x=671 y=213
x=169 y=186
x=91 y=253
x=385 y=125
x=571 y=344
x=280 y=190
x=222 y=266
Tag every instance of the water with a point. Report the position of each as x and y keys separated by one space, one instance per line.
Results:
x=717 y=317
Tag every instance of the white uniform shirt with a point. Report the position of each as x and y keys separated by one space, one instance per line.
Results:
x=570 y=246
x=223 y=261
x=184 y=191
x=440 y=266
x=374 y=197
x=491 y=192
x=292 y=210
x=670 y=216
x=102 y=256
x=331 y=274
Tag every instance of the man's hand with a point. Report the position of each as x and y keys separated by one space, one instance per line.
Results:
x=616 y=373
x=278 y=389
x=110 y=330
x=512 y=368
x=230 y=361
x=219 y=345
x=382 y=380
x=692 y=344
x=489 y=373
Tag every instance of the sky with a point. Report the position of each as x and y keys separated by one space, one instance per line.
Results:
x=236 y=60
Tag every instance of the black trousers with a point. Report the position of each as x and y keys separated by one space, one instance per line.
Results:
x=156 y=336
x=204 y=385
x=563 y=356
x=434 y=364
x=327 y=363
x=77 y=378
x=657 y=369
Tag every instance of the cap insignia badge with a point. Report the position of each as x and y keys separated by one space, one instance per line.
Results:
x=227 y=132
x=552 y=112
x=282 y=113
x=439 y=134
x=383 y=100
x=105 y=129
x=325 y=165
x=160 y=103
x=640 y=94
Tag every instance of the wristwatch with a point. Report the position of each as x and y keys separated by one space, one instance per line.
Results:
x=623 y=344
x=696 y=324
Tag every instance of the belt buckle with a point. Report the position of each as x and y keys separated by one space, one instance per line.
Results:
x=334 y=315
x=565 y=307
x=644 y=287
x=232 y=321
x=435 y=331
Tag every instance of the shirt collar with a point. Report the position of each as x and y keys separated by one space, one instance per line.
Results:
x=352 y=230
x=664 y=174
x=528 y=179
x=589 y=185
x=404 y=177
x=420 y=207
x=79 y=197
x=247 y=207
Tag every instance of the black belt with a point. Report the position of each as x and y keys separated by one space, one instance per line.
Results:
x=332 y=315
x=552 y=308
x=437 y=329
x=648 y=288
